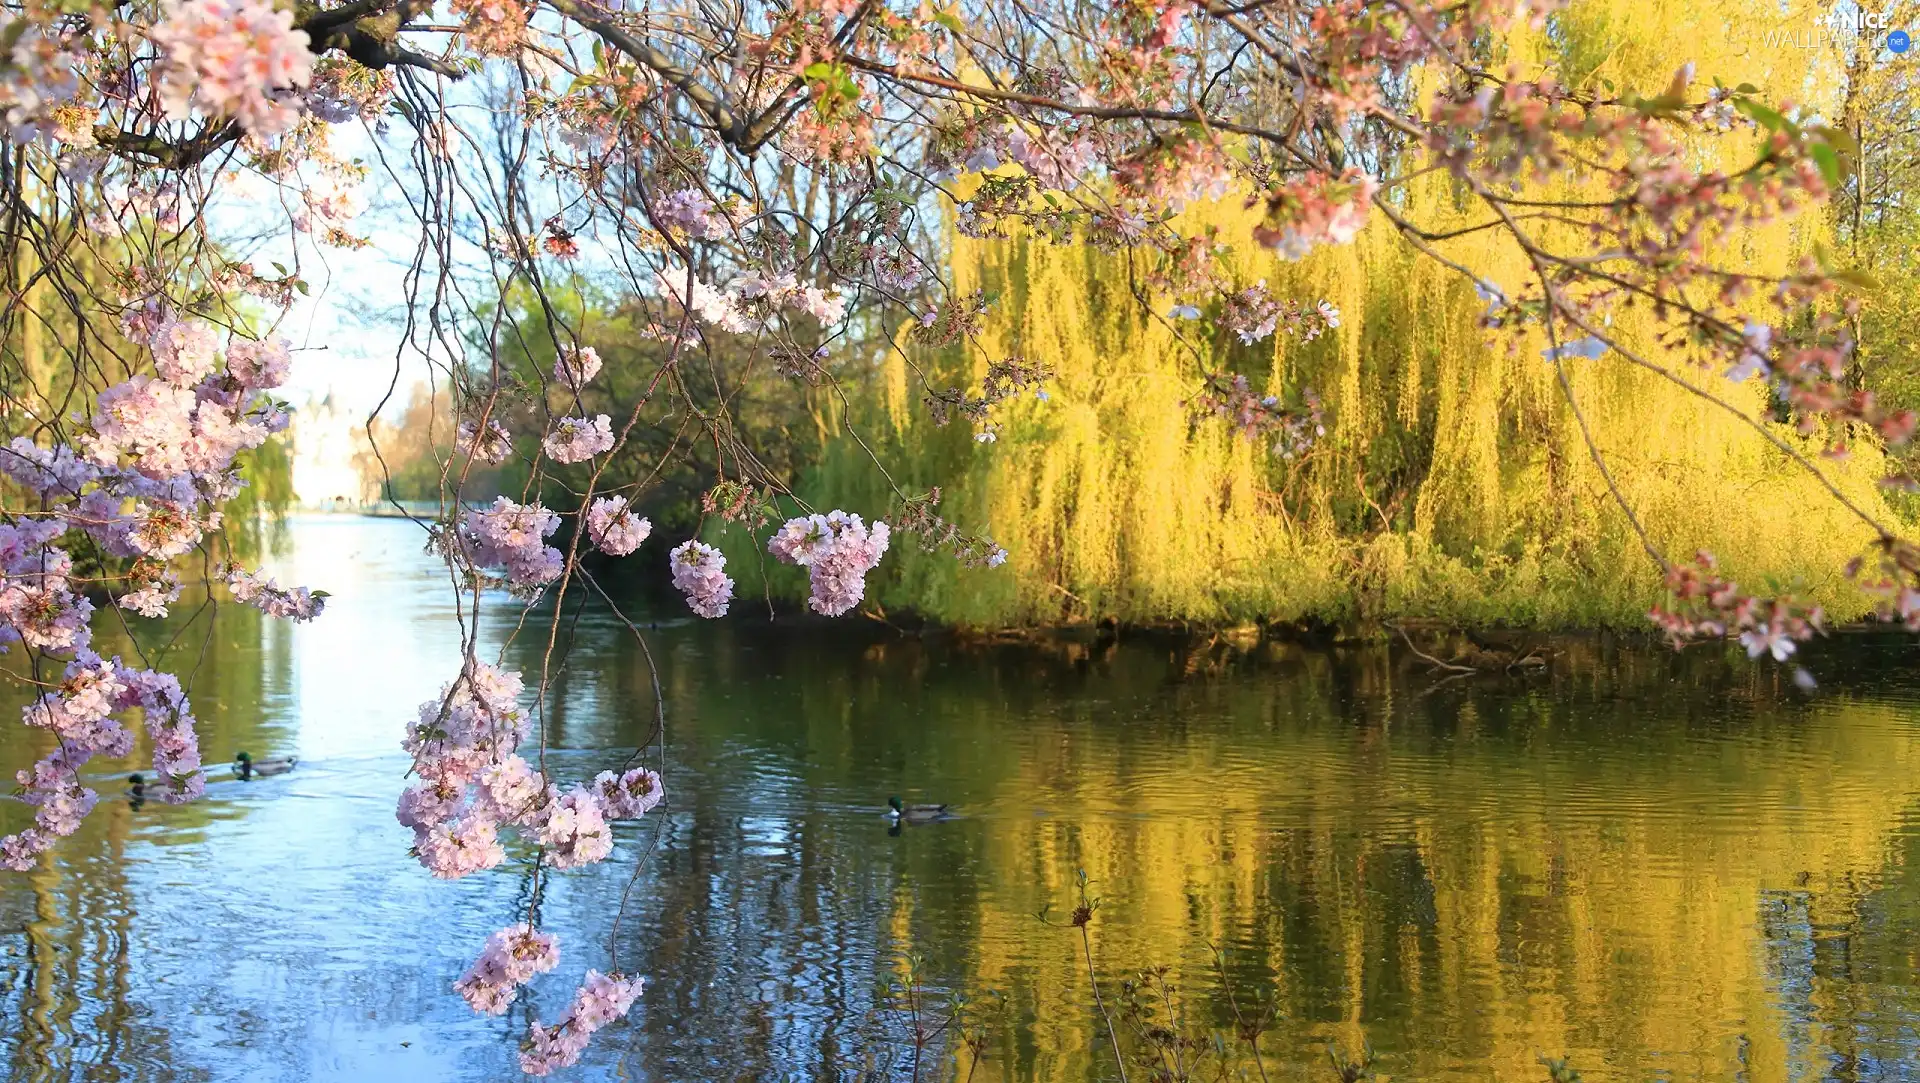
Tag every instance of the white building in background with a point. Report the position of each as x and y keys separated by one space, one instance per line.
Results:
x=325 y=439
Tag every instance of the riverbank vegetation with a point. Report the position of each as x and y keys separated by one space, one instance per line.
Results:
x=1451 y=476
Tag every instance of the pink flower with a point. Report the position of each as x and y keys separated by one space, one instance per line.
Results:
x=514 y=790
x=184 y=351
x=614 y=528
x=509 y=535
x=577 y=439
x=630 y=795
x=47 y=472
x=1314 y=210
x=603 y=999
x=511 y=958
x=492 y=448
x=232 y=57
x=454 y=849
x=575 y=367
x=690 y=211
x=838 y=550
x=697 y=572
x=266 y=595
x=162 y=529
x=1768 y=639
x=600 y=1000
x=549 y=1048
x=146 y=420
x=575 y=831
x=429 y=801
x=258 y=366
x=19 y=851
x=152 y=598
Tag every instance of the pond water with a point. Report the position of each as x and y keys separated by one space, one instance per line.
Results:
x=1658 y=867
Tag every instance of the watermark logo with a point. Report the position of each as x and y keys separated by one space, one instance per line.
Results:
x=1844 y=29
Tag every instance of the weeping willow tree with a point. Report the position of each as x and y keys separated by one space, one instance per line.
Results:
x=1452 y=479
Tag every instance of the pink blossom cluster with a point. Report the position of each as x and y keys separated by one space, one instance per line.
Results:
x=493 y=447
x=511 y=958
x=691 y=212
x=464 y=741
x=511 y=536
x=37 y=75
x=600 y=1000
x=473 y=783
x=577 y=439
x=783 y=290
x=37 y=603
x=182 y=473
x=235 y=58
x=163 y=529
x=614 y=528
x=1706 y=605
x=698 y=573
x=192 y=421
x=751 y=299
x=268 y=596
x=258 y=364
x=493 y=27
x=329 y=204
x=1173 y=173
x=1316 y=209
x=152 y=594
x=1232 y=399
x=1254 y=313
x=715 y=307
x=628 y=795
x=184 y=350
x=838 y=550
x=572 y=829
x=79 y=714
x=576 y=366
x=1054 y=158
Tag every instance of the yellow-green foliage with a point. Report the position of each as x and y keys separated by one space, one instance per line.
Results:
x=1453 y=481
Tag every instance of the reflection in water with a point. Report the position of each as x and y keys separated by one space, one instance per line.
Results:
x=1658 y=867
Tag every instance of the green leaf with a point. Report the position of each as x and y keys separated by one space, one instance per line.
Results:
x=1839 y=139
x=1761 y=115
x=301 y=285
x=945 y=17
x=1663 y=106
x=1856 y=280
x=281 y=268
x=1829 y=162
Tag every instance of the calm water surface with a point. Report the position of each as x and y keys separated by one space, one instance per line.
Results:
x=1660 y=868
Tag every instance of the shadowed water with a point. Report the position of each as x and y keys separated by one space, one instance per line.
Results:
x=1658 y=867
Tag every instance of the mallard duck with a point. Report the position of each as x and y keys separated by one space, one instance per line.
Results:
x=139 y=789
x=915 y=814
x=247 y=768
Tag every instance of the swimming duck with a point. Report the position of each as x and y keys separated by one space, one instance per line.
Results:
x=247 y=769
x=915 y=814
x=139 y=789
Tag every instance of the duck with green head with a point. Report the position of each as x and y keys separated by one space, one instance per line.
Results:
x=139 y=789
x=248 y=768
x=899 y=813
